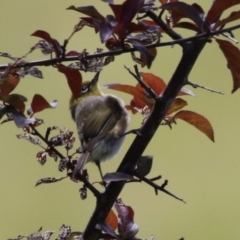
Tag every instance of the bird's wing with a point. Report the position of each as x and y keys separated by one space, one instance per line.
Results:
x=106 y=130
x=97 y=119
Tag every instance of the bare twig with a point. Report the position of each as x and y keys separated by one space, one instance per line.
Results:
x=64 y=47
x=231 y=37
x=155 y=178
x=158 y=187
x=143 y=84
x=195 y=85
x=139 y=179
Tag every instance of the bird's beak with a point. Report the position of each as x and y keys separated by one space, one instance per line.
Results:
x=95 y=79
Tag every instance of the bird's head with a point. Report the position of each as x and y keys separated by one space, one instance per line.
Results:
x=89 y=89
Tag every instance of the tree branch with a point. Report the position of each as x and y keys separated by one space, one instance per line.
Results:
x=163 y=25
x=49 y=62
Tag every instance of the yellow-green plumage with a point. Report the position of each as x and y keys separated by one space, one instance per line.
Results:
x=101 y=120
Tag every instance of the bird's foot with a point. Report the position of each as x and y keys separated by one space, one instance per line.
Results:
x=133 y=131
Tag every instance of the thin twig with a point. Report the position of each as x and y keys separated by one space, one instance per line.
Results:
x=195 y=85
x=161 y=13
x=64 y=47
x=230 y=37
x=155 y=178
x=136 y=71
x=150 y=179
x=143 y=84
x=158 y=187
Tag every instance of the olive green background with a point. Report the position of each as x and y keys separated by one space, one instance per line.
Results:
x=205 y=174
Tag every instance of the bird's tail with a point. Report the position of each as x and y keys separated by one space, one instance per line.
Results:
x=80 y=164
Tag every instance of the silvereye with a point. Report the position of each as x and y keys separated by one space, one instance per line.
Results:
x=101 y=121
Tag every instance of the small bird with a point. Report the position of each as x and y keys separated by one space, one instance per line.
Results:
x=101 y=121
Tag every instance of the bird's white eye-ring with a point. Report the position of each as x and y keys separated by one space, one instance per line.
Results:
x=84 y=89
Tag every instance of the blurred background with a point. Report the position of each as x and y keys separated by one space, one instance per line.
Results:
x=205 y=174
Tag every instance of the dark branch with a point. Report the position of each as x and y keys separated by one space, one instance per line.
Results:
x=49 y=62
x=163 y=25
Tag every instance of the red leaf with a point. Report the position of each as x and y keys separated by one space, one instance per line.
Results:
x=177 y=104
x=124 y=14
x=182 y=10
x=74 y=79
x=218 y=8
x=198 y=121
x=232 y=17
x=10 y=82
x=14 y=100
x=232 y=55
x=72 y=54
x=126 y=89
x=46 y=36
x=39 y=103
x=153 y=81
x=141 y=98
x=129 y=10
x=117 y=10
x=112 y=220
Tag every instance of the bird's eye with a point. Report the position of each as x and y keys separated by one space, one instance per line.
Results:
x=84 y=89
